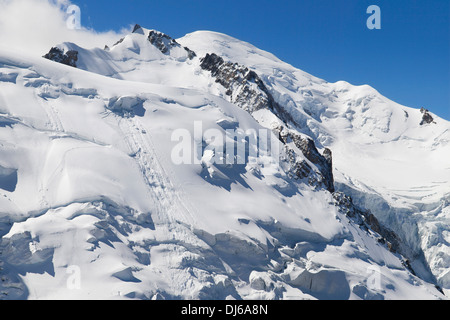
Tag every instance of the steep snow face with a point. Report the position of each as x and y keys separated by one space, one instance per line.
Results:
x=390 y=158
x=93 y=204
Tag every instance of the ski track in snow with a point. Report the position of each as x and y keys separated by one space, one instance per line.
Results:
x=161 y=190
x=185 y=261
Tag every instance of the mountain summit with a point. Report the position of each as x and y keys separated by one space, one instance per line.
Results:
x=206 y=168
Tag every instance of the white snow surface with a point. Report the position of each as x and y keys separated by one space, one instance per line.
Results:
x=92 y=205
x=382 y=156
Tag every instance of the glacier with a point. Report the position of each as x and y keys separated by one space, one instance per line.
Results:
x=89 y=189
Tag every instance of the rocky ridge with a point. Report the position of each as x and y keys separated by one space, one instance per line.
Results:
x=69 y=58
x=246 y=89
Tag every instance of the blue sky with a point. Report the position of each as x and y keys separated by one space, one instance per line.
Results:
x=408 y=60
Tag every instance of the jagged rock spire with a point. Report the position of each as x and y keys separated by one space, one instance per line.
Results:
x=136 y=27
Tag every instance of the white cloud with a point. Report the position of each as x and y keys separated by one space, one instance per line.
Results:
x=34 y=26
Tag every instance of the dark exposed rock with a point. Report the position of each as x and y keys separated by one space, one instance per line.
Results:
x=427 y=118
x=244 y=87
x=310 y=151
x=165 y=43
x=118 y=42
x=136 y=27
x=302 y=169
x=438 y=288
x=328 y=155
x=212 y=62
x=407 y=264
x=191 y=54
x=246 y=90
x=308 y=148
x=69 y=58
x=323 y=162
x=162 y=41
x=367 y=220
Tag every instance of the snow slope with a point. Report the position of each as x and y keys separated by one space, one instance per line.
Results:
x=383 y=156
x=93 y=206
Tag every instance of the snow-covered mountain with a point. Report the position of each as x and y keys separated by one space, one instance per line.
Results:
x=349 y=200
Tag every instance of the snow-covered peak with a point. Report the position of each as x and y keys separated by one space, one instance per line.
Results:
x=303 y=93
x=244 y=53
x=138 y=43
x=391 y=158
x=86 y=154
x=132 y=56
x=339 y=116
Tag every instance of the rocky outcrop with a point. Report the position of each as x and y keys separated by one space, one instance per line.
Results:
x=366 y=220
x=162 y=41
x=118 y=42
x=136 y=28
x=165 y=43
x=69 y=58
x=426 y=118
x=245 y=89
x=243 y=86
x=323 y=162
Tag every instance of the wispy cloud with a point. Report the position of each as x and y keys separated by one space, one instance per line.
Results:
x=34 y=26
